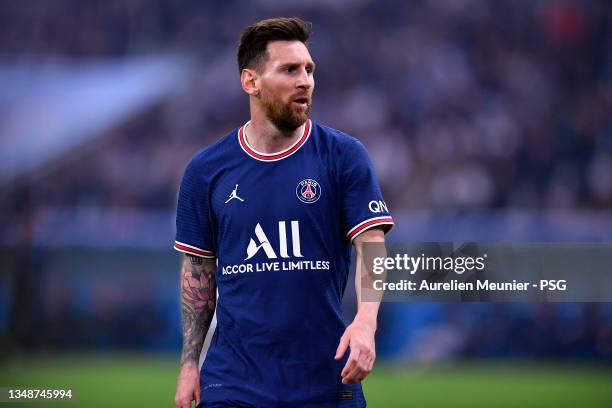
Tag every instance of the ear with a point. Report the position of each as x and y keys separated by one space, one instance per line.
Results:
x=248 y=80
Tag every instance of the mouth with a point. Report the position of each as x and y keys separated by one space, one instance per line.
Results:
x=302 y=101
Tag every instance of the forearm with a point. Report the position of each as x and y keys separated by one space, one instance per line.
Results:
x=367 y=311
x=359 y=335
x=368 y=304
x=198 y=301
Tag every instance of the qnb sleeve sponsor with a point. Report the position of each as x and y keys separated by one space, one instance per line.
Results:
x=362 y=201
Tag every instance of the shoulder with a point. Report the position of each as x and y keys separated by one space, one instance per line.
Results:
x=339 y=143
x=213 y=155
x=334 y=136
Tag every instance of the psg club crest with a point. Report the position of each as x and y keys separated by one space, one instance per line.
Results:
x=308 y=191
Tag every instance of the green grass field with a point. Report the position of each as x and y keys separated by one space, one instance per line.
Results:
x=131 y=381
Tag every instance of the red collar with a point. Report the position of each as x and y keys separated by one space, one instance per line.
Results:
x=274 y=156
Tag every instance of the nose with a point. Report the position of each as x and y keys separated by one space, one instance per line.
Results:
x=304 y=80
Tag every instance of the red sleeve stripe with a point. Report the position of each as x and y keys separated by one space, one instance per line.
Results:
x=189 y=249
x=369 y=223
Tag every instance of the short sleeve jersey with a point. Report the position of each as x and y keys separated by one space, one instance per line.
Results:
x=280 y=226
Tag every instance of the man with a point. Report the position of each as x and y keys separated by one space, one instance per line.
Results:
x=267 y=215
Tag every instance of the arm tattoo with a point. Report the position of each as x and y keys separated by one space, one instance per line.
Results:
x=198 y=300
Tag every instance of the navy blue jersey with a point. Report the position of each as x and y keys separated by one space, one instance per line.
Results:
x=280 y=226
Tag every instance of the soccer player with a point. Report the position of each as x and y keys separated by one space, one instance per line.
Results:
x=267 y=216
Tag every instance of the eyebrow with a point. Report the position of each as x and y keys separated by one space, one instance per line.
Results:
x=297 y=64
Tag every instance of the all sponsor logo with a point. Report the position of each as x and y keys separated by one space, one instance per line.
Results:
x=261 y=241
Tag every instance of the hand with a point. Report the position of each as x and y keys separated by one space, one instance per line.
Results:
x=359 y=336
x=188 y=386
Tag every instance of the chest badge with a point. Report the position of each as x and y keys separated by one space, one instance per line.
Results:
x=234 y=195
x=308 y=191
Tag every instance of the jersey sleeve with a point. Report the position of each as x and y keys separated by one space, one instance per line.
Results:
x=362 y=201
x=193 y=230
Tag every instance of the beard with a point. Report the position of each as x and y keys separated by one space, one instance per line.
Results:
x=285 y=116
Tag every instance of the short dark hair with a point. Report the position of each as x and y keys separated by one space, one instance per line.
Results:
x=255 y=38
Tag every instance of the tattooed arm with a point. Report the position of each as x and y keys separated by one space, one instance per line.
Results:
x=198 y=300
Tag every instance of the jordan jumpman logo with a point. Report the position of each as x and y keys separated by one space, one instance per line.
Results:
x=234 y=195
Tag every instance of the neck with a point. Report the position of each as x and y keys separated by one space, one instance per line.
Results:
x=265 y=137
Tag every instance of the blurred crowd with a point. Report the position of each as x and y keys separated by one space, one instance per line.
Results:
x=463 y=105
x=432 y=332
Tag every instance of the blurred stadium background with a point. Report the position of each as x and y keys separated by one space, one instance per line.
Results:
x=486 y=120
